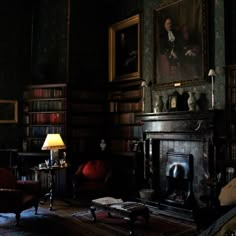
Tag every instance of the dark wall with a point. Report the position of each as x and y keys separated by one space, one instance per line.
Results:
x=50 y=41
x=15 y=24
x=230 y=32
x=124 y=9
x=88 y=42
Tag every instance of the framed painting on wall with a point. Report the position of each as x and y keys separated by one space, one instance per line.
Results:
x=124 y=49
x=8 y=111
x=180 y=43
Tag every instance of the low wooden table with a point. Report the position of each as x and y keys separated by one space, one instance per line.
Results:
x=129 y=211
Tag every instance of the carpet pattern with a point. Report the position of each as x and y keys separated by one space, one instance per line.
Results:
x=69 y=220
x=157 y=225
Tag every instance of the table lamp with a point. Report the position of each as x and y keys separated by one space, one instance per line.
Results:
x=53 y=142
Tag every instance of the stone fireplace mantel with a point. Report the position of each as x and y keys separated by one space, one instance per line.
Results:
x=195 y=124
x=193 y=133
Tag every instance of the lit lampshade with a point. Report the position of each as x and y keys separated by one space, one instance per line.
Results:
x=53 y=142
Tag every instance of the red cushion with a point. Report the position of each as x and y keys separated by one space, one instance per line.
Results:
x=7 y=179
x=94 y=170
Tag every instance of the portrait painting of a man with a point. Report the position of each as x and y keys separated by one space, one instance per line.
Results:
x=179 y=42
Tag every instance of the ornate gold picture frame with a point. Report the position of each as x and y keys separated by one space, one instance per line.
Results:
x=124 y=49
x=180 y=43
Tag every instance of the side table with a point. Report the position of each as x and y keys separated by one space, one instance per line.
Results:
x=129 y=211
x=51 y=171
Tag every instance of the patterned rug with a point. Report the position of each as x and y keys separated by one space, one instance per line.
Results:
x=78 y=223
x=157 y=225
x=42 y=224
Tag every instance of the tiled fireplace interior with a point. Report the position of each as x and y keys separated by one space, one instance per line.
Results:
x=198 y=150
x=158 y=164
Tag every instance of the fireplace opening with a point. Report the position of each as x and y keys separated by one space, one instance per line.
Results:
x=179 y=174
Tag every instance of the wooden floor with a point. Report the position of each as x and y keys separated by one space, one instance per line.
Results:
x=65 y=207
x=68 y=206
x=60 y=221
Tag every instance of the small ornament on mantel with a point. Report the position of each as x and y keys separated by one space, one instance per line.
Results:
x=191 y=101
x=158 y=107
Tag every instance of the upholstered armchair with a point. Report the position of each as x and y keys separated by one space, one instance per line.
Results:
x=17 y=195
x=92 y=179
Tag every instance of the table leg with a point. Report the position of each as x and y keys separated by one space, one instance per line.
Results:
x=93 y=209
x=130 y=221
x=52 y=187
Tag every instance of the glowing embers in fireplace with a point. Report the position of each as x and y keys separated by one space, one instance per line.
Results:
x=179 y=173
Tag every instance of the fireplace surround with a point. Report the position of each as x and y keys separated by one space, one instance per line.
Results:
x=175 y=142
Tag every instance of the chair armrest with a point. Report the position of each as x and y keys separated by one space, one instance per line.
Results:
x=10 y=200
x=29 y=186
x=79 y=171
x=9 y=192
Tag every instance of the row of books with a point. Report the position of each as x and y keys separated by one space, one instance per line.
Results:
x=126 y=131
x=45 y=93
x=47 y=118
x=126 y=95
x=42 y=131
x=233 y=151
x=47 y=106
x=35 y=144
x=123 y=118
x=233 y=96
x=84 y=144
x=233 y=78
x=126 y=107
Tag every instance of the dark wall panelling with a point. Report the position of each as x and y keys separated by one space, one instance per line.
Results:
x=88 y=42
x=15 y=23
x=49 y=49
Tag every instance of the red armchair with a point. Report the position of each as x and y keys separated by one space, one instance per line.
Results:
x=92 y=179
x=17 y=195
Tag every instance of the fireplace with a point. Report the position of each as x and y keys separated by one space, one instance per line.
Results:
x=178 y=156
x=179 y=174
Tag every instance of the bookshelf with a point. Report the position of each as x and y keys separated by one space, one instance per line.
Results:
x=45 y=111
x=231 y=111
x=125 y=100
x=86 y=122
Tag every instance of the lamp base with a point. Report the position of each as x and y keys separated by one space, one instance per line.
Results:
x=54 y=158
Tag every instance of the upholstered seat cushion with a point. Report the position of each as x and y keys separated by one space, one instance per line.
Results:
x=227 y=195
x=7 y=179
x=95 y=170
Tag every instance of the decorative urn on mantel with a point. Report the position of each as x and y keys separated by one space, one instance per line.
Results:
x=191 y=102
x=159 y=104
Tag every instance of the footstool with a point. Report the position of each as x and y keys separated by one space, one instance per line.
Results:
x=129 y=211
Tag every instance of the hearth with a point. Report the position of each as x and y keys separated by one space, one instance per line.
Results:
x=178 y=158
